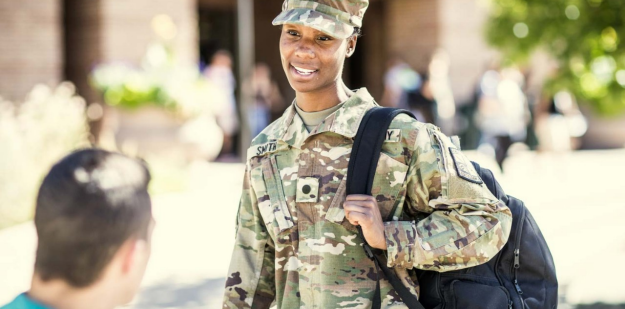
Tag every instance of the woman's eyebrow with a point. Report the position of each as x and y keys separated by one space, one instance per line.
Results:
x=321 y=33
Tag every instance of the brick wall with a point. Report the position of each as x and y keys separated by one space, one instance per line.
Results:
x=461 y=35
x=412 y=30
x=30 y=46
x=416 y=28
x=126 y=28
x=115 y=30
x=99 y=31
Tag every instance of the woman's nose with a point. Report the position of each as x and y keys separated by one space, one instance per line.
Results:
x=304 y=50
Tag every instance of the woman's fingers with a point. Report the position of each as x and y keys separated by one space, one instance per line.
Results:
x=359 y=197
x=358 y=214
x=366 y=202
x=363 y=210
x=351 y=206
x=357 y=218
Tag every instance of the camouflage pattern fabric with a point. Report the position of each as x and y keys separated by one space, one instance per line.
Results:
x=334 y=17
x=295 y=248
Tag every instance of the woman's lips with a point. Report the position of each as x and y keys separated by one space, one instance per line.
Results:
x=302 y=73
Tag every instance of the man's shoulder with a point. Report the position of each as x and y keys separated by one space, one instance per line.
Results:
x=22 y=301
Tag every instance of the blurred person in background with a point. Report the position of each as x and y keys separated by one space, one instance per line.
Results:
x=428 y=96
x=219 y=72
x=502 y=113
x=399 y=80
x=439 y=88
x=559 y=123
x=297 y=245
x=421 y=101
x=94 y=223
x=267 y=99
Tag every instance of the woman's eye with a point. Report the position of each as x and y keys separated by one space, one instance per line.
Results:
x=292 y=32
x=324 y=38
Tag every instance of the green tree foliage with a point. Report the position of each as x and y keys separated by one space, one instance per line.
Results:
x=584 y=36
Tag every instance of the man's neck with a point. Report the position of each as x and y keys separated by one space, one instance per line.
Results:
x=324 y=98
x=57 y=294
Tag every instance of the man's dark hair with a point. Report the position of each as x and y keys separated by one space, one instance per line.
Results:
x=89 y=204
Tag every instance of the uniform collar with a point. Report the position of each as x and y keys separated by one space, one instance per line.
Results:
x=344 y=121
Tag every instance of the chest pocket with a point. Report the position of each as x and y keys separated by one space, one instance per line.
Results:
x=272 y=202
x=388 y=183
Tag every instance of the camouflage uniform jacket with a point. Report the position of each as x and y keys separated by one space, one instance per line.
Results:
x=294 y=245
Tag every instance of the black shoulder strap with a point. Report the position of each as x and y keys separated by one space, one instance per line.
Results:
x=491 y=183
x=360 y=173
x=367 y=146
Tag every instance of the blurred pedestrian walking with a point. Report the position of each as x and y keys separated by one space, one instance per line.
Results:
x=219 y=72
x=428 y=96
x=399 y=80
x=503 y=112
x=559 y=123
x=267 y=99
x=438 y=84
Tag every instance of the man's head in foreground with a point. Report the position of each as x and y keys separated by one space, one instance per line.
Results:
x=94 y=223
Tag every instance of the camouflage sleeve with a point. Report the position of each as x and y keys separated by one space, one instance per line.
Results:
x=458 y=222
x=250 y=282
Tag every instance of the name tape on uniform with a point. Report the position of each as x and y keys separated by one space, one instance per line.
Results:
x=260 y=150
x=392 y=135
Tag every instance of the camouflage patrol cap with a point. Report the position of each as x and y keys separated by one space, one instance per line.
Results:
x=334 y=17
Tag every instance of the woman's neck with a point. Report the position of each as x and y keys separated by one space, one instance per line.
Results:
x=323 y=98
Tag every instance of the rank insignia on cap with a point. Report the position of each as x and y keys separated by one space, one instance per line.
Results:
x=307 y=190
x=464 y=167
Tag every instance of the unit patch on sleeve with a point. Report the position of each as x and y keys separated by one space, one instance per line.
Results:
x=464 y=167
x=392 y=135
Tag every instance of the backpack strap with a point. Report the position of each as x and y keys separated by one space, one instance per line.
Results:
x=360 y=173
x=489 y=180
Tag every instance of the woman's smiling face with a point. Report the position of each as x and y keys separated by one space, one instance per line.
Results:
x=311 y=59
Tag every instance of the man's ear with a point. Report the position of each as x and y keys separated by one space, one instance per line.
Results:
x=131 y=252
x=351 y=45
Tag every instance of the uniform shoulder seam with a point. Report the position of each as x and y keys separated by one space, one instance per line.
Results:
x=270 y=131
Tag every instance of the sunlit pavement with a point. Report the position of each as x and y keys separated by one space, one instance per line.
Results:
x=577 y=200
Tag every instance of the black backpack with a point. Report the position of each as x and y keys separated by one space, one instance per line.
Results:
x=522 y=275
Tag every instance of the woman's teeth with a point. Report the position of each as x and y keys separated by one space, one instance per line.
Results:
x=304 y=71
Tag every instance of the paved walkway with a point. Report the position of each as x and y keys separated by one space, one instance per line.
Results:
x=577 y=199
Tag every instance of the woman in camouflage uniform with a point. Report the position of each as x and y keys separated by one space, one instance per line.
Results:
x=296 y=242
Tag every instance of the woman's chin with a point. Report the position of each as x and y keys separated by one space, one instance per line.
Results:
x=303 y=87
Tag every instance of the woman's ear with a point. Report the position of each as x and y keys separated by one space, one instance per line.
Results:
x=351 y=45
